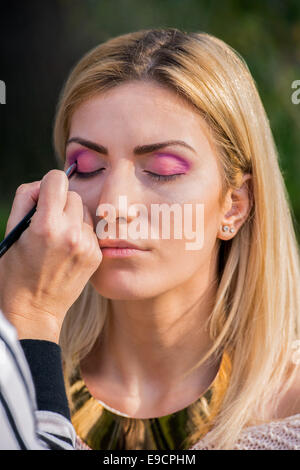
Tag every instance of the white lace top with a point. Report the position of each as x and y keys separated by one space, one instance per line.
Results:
x=281 y=434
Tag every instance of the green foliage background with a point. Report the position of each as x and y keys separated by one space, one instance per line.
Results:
x=43 y=40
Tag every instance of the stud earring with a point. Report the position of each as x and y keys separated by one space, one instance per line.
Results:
x=225 y=228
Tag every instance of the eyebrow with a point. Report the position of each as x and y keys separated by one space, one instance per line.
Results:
x=139 y=150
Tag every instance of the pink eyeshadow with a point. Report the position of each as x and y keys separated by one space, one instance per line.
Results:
x=168 y=164
x=161 y=163
x=86 y=161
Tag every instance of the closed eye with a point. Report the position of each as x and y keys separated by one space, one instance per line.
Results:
x=157 y=177
x=88 y=174
x=154 y=176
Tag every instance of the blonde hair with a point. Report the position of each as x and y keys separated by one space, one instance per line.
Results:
x=255 y=317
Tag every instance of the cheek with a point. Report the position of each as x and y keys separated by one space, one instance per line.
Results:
x=191 y=235
x=207 y=191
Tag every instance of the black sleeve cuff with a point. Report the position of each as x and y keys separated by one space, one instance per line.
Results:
x=44 y=360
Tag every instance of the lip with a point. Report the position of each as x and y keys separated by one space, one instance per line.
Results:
x=120 y=244
x=121 y=252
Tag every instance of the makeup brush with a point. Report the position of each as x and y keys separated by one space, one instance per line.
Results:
x=16 y=232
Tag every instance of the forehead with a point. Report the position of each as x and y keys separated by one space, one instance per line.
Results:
x=139 y=110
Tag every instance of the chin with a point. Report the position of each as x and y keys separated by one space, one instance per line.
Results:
x=119 y=286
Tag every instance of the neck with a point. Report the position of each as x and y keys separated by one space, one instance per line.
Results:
x=150 y=343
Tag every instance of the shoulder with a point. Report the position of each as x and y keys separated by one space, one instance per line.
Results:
x=282 y=431
x=281 y=434
x=289 y=404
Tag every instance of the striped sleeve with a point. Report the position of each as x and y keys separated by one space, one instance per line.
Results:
x=32 y=418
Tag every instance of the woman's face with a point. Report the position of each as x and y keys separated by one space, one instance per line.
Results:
x=137 y=114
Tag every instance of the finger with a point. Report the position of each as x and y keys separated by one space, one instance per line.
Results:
x=53 y=196
x=87 y=218
x=88 y=228
x=74 y=208
x=27 y=195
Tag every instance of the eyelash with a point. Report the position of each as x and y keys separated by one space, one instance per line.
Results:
x=156 y=177
x=88 y=174
x=163 y=178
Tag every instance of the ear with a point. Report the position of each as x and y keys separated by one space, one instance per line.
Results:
x=236 y=208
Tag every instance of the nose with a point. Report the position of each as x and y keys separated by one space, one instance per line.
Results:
x=119 y=194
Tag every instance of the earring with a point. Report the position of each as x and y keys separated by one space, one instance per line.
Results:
x=225 y=228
